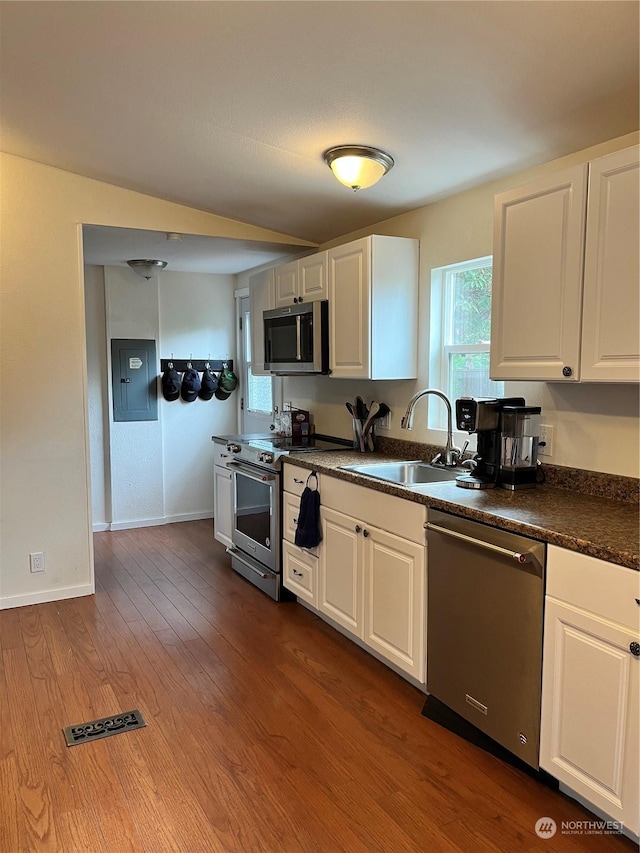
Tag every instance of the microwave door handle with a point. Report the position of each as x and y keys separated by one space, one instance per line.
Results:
x=298 y=344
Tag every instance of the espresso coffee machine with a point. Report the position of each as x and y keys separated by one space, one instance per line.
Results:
x=507 y=450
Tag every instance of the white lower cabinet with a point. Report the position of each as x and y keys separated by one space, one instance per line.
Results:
x=591 y=683
x=300 y=572
x=365 y=580
x=394 y=611
x=341 y=595
x=222 y=497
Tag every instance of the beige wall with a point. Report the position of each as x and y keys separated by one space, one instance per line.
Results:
x=596 y=426
x=45 y=497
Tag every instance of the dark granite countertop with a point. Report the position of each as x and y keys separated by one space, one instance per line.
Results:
x=590 y=524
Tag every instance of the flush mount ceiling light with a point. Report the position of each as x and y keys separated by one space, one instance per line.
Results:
x=358 y=166
x=147 y=268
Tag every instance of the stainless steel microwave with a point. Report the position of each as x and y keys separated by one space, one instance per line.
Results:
x=296 y=339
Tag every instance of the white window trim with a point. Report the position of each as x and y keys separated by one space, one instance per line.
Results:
x=441 y=318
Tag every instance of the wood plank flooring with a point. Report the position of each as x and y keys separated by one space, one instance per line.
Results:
x=267 y=730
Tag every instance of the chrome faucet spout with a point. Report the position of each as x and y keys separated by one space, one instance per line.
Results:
x=452 y=454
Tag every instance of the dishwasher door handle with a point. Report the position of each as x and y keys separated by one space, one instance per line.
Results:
x=515 y=555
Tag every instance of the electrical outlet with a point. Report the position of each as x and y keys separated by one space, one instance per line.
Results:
x=36 y=562
x=385 y=422
x=546 y=436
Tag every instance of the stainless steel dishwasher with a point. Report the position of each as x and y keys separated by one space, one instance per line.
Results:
x=484 y=629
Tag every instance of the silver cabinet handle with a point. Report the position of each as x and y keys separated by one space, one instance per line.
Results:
x=515 y=555
x=298 y=482
x=297 y=574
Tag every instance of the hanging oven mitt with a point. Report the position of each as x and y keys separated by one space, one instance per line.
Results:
x=308 y=533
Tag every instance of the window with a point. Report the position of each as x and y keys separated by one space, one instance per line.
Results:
x=461 y=332
x=259 y=388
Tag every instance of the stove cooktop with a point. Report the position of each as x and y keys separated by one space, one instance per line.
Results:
x=310 y=444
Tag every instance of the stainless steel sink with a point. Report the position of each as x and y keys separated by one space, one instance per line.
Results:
x=406 y=473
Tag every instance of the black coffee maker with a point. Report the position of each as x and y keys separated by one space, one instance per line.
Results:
x=483 y=415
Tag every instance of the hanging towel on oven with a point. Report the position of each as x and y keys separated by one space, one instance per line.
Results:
x=308 y=533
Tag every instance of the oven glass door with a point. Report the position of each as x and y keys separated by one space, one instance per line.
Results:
x=255 y=513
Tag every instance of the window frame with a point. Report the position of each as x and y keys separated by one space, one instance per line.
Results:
x=441 y=331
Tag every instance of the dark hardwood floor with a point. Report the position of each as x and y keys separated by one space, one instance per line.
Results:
x=266 y=730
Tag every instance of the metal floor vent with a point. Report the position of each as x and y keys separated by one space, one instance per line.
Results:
x=104 y=727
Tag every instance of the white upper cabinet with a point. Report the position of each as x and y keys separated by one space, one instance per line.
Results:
x=261 y=299
x=373 y=308
x=537 y=278
x=611 y=307
x=304 y=280
x=565 y=275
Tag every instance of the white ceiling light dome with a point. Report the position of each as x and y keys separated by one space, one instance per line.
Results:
x=358 y=166
x=146 y=267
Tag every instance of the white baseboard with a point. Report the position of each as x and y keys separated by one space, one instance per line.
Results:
x=141 y=522
x=46 y=595
x=100 y=527
x=188 y=516
x=153 y=522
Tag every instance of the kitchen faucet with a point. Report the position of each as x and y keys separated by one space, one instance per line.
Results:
x=452 y=454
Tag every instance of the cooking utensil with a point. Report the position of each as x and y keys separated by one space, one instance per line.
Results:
x=361 y=409
x=373 y=411
x=367 y=429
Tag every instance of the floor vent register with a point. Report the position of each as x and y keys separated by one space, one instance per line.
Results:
x=104 y=727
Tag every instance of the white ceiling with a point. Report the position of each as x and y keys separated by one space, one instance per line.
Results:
x=228 y=106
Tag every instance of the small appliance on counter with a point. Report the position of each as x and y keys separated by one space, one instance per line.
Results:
x=519 y=456
x=508 y=433
x=294 y=424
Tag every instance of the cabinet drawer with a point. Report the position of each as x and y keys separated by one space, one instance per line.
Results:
x=300 y=572
x=290 y=513
x=396 y=515
x=295 y=479
x=594 y=585
x=220 y=453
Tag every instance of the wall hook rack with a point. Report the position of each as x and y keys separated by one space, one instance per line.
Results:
x=199 y=364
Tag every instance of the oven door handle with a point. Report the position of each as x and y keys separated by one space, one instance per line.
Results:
x=298 y=340
x=251 y=472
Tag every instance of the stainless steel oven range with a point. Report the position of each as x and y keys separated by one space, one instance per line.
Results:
x=256 y=495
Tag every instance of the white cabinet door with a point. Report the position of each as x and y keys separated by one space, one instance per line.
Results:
x=222 y=502
x=537 y=278
x=590 y=709
x=286 y=284
x=261 y=299
x=340 y=594
x=349 y=309
x=395 y=600
x=611 y=301
x=373 y=308
x=312 y=277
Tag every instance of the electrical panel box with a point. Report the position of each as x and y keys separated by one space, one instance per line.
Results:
x=134 y=378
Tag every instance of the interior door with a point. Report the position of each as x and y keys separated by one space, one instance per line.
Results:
x=260 y=395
